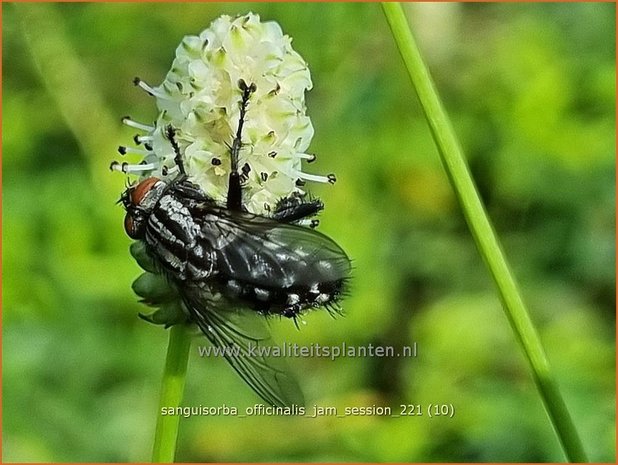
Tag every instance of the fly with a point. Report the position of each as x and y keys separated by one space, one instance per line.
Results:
x=224 y=260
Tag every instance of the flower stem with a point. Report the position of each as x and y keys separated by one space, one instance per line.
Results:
x=172 y=388
x=486 y=240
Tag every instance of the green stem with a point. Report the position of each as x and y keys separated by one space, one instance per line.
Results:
x=484 y=235
x=172 y=388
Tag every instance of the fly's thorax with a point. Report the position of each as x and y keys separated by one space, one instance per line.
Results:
x=174 y=236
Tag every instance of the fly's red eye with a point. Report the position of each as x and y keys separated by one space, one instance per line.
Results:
x=129 y=226
x=140 y=191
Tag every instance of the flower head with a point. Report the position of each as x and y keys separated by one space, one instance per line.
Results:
x=200 y=99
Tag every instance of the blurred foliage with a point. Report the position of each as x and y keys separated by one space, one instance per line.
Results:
x=531 y=91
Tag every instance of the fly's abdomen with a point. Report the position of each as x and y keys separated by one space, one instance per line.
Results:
x=287 y=302
x=284 y=271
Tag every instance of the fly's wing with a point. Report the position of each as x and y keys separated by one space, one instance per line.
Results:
x=234 y=332
x=267 y=253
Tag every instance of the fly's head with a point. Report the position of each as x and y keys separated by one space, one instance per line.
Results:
x=139 y=201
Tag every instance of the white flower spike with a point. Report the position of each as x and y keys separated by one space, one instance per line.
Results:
x=200 y=96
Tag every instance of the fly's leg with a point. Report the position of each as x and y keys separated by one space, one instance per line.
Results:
x=170 y=133
x=234 y=192
x=295 y=209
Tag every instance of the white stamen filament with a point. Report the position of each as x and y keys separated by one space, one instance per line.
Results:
x=306 y=156
x=152 y=91
x=311 y=177
x=140 y=168
x=137 y=151
x=126 y=168
x=142 y=139
x=171 y=170
x=136 y=125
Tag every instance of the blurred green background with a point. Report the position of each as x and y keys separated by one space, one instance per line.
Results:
x=531 y=91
